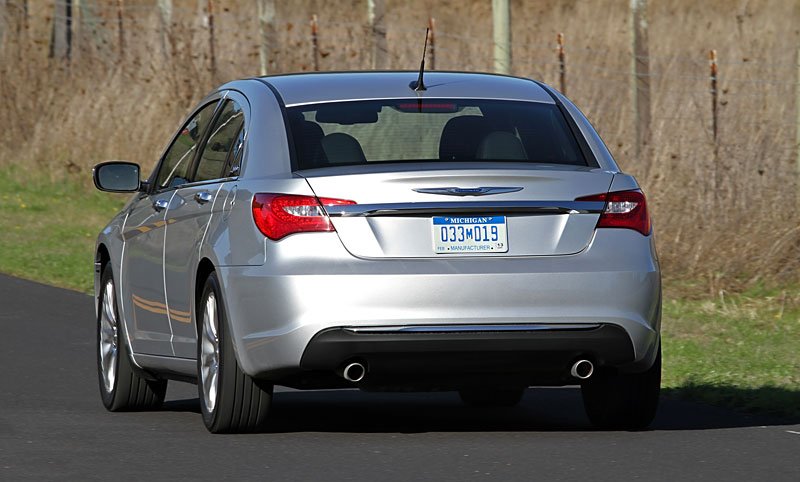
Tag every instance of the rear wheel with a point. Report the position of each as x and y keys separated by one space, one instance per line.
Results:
x=623 y=401
x=121 y=387
x=507 y=397
x=230 y=401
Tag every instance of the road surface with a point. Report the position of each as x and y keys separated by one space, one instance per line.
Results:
x=53 y=426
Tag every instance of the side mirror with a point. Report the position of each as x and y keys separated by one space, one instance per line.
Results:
x=116 y=176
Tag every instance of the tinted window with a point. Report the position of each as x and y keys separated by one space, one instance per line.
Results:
x=435 y=130
x=221 y=141
x=174 y=169
x=237 y=151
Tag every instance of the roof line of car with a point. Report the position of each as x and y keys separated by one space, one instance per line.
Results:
x=415 y=72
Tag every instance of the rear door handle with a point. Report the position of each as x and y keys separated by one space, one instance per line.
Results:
x=160 y=204
x=203 y=197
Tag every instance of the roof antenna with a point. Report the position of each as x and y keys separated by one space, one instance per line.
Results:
x=419 y=85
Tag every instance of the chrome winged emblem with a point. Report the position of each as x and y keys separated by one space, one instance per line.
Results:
x=467 y=191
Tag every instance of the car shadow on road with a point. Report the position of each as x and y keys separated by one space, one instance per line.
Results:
x=766 y=403
x=542 y=410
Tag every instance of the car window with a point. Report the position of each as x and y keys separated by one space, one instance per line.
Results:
x=174 y=169
x=220 y=142
x=237 y=151
x=431 y=130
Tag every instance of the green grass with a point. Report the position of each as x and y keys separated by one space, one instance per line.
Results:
x=49 y=229
x=740 y=351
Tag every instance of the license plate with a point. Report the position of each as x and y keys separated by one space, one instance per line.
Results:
x=469 y=234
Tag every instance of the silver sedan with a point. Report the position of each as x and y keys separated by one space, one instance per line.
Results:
x=346 y=230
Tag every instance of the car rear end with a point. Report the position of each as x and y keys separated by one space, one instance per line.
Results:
x=445 y=242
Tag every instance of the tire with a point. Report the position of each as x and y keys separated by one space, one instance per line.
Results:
x=623 y=401
x=507 y=397
x=230 y=401
x=121 y=386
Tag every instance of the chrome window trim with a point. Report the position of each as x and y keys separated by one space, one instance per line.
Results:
x=197 y=183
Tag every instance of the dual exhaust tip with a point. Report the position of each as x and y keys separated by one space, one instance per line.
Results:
x=582 y=369
x=355 y=372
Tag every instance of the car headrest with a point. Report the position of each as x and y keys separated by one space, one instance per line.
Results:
x=460 y=138
x=501 y=146
x=342 y=148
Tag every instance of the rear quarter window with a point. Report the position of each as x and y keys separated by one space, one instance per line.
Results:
x=222 y=140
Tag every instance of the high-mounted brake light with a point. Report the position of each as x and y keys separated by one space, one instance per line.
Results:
x=427 y=106
x=623 y=209
x=279 y=215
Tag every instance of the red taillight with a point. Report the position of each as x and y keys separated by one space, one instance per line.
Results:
x=279 y=215
x=623 y=209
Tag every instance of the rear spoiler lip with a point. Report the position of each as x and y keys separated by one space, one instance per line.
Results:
x=422 y=209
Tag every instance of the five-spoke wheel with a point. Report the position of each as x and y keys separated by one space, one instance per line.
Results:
x=230 y=400
x=121 y=386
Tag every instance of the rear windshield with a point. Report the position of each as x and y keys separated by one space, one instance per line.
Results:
x=446 y=130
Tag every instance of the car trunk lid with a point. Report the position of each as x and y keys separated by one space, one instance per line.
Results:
x=400 y=213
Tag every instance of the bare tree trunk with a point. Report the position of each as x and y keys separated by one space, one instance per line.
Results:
x=61 y=38
x=4 y=16
x=165 y=16
x=562 y=64
x=797 y=132
x=120 y=31
x=314 y=43
x=266 y=33
x=432 y=43
x=641 y=79
x=376 y=15
x=501 y=29
x=211 y=41
x=77 y=30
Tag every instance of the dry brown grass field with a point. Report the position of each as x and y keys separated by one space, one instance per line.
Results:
x=58 y=118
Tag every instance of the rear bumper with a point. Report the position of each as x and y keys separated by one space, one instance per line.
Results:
x=455 y=357
x=296 y=312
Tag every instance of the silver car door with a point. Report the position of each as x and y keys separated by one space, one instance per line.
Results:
x=145 y=232
x=142 y=287
x=188 y=217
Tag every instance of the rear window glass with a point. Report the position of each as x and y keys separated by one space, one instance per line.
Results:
x=431 y=130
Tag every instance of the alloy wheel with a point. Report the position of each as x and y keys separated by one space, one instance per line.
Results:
x=209 y=354
x=109 y=338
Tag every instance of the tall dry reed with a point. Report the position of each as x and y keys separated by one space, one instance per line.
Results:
x=58 y=118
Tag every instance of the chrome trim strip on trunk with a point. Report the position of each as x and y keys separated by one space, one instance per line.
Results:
x=470 y=328
x=467 y=191
x=466 y=207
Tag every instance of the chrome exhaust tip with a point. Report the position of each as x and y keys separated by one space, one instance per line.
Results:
x=354 y=372
x=582 y=369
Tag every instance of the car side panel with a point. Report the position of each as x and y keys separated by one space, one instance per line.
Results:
x=267 y=153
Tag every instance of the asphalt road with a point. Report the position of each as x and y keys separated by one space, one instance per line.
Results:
x=53 y=426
